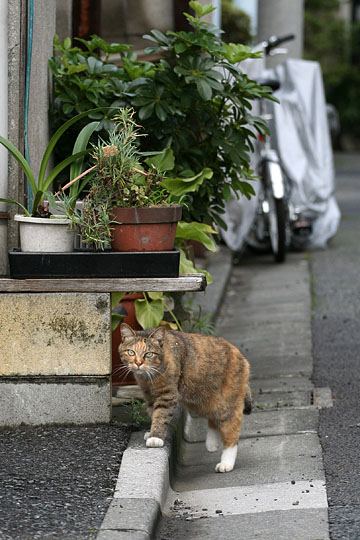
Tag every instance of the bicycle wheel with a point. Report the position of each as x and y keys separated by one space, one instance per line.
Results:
x=277 y=227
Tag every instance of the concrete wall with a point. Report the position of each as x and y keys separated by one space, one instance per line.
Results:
x=55 y=352
x=282 y=17
x=3 y=130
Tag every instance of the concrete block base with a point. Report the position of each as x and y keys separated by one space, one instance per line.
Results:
x=60 y=400
x=55 y=358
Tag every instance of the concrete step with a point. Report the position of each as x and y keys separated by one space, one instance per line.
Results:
x=278 y=458
x=259 y=424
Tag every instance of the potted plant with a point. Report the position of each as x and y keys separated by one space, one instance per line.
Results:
x=128 y=206
x=40 y=229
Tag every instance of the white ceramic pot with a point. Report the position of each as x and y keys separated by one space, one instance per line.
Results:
x=48 y=235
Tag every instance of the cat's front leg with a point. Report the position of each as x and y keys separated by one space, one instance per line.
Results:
x=163 y=411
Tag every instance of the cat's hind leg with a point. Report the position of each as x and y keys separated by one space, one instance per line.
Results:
x=213 y=439
x=230 y=433
x=248 y=405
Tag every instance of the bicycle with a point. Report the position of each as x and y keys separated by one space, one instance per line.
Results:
x=271 y=227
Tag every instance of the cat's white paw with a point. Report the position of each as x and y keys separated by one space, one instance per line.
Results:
x=228 y=458
x=154 y=442
x=224 y=467
x=146 y=435
x=213 y=440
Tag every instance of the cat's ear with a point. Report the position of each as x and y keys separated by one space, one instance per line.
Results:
x=126 y=332
x=158 y=334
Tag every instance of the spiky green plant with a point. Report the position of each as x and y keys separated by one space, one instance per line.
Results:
x=40 y=185
x=119 y=179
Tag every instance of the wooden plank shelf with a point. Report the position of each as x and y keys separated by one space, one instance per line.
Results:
x=189 y=282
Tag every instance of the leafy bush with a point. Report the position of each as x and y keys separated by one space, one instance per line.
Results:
x=335 y=45
x=194 y=100
x=235 y=23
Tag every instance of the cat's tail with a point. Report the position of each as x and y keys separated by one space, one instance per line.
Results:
x=248 y=401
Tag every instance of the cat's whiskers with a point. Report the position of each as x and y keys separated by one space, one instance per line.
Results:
x=120 y=368
x=125 y=374
x=125 y=371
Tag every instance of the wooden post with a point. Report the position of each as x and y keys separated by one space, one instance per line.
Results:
x=86 y=18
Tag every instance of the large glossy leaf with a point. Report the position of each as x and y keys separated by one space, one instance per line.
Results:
x=201 y=232
x=163 y=161
x=236 y=52
x=146 y=111
x=149 y=313
x=204 y=89
x=179 y=186
x=188 y=267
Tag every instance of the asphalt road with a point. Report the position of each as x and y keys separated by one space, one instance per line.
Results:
x=57 y=482
x=336 y=346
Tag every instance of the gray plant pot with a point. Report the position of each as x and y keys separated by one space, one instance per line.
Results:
x=45 y=235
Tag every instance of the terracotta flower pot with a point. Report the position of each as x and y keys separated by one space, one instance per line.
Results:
x=128 y=303
x=145 y=229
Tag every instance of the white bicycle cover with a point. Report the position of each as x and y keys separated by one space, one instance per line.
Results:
x=301 y=135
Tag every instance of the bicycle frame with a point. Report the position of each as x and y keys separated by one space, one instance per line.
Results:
x=270 y=227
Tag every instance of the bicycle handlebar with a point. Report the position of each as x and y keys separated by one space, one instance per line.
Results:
x=275 y=41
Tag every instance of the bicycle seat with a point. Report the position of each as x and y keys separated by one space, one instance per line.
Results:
x=273 y=83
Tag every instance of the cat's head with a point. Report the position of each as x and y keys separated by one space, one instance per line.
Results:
x=142 y=353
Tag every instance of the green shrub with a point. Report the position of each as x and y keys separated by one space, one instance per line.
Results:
x=235 y=23
x=194 y=100
x=336 y=46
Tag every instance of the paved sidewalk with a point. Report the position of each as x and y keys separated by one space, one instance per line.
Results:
x=277 y=490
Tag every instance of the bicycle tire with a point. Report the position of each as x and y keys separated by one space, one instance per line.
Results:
x=277 y=228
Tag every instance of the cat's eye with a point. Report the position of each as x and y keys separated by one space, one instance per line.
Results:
x=149 y=355
x=130 y=352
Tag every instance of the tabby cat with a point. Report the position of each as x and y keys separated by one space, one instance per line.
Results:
x=206 y=374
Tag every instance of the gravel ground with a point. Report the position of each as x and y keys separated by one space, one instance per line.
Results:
x=57 y=482
x=336 y=331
